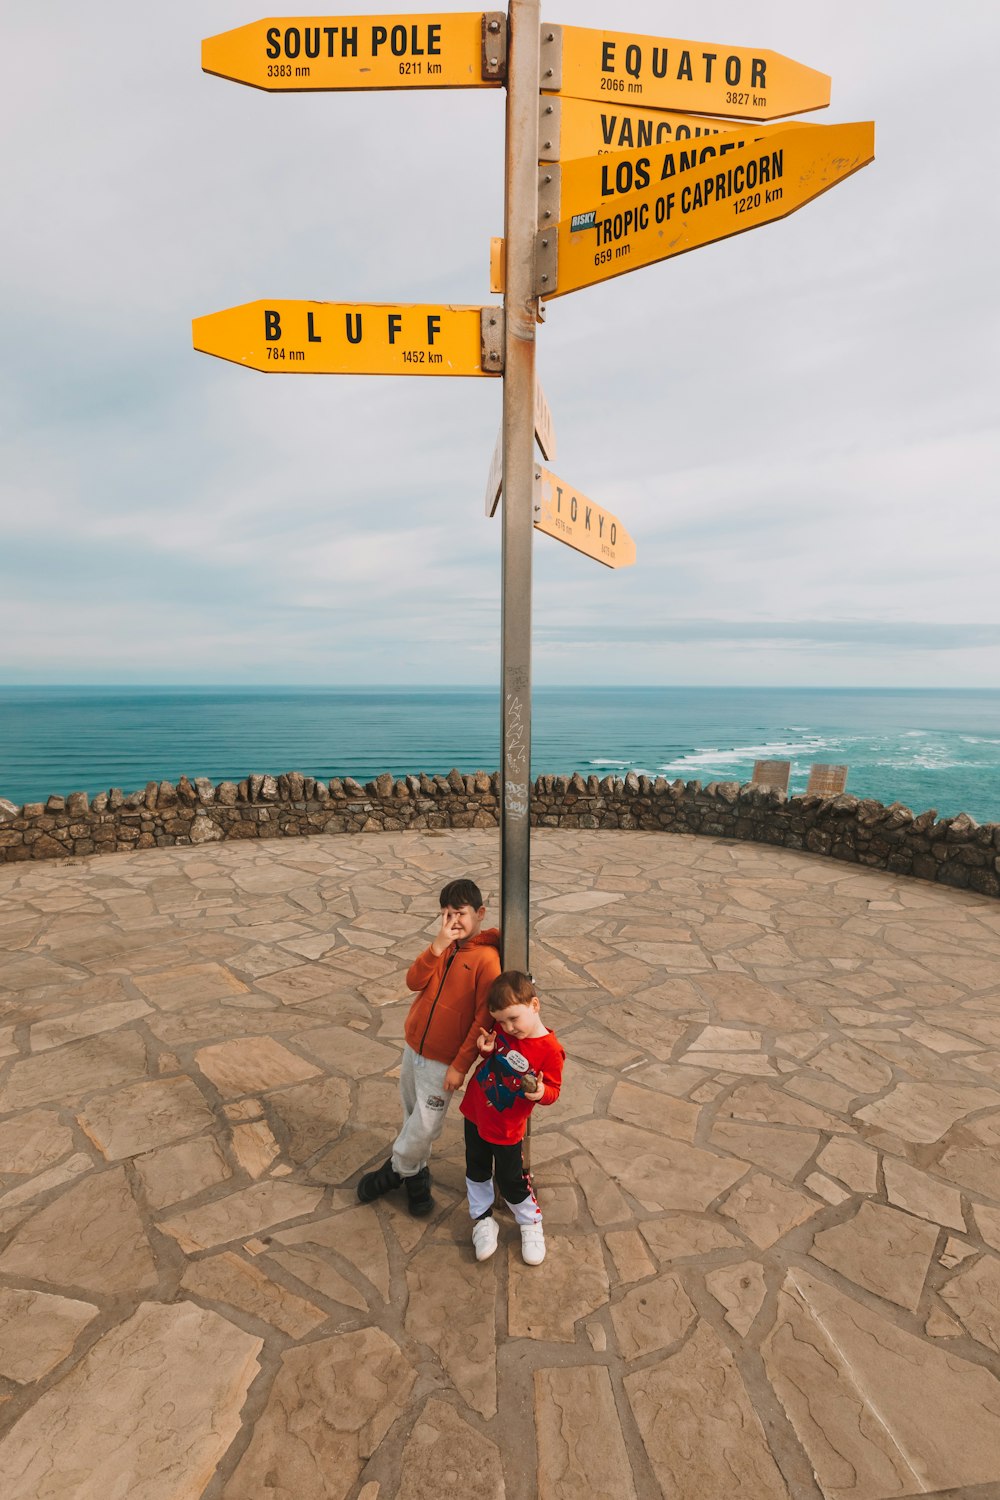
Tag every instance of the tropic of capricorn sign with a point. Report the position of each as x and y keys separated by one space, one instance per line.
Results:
x=621 y=150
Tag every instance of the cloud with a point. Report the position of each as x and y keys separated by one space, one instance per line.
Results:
x=800 y=421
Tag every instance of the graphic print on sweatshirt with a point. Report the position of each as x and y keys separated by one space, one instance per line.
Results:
x=504 y=1075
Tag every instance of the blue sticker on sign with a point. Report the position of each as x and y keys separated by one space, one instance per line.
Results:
x=583 y=221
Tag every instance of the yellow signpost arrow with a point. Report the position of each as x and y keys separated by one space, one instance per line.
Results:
x=603 y=180
x=294 y=53
x=764 y=181
x=570 y=517
x=352 y=338
x=702 y=78
x=569 y=128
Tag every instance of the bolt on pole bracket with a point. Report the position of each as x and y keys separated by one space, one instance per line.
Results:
x=494 y=62
x=550 y=56
x=549 y=127
x=546 y=261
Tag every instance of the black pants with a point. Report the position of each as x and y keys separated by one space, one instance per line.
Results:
x=483 y=1160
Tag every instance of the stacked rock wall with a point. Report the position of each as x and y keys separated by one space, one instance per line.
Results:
x=957 y=851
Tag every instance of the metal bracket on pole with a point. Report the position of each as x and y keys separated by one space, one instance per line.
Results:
x=494 y=64
x=550 y=53
x=491 y=328
x=549 y=176
x=549 y=127
x=546 y=261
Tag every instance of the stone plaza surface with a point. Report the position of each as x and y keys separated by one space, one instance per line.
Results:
x=771 y=1185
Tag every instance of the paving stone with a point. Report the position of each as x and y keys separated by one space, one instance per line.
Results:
x=975 y=1296
x=148 y=1412
x=137 y=1119
x=605 y=1202
x=581 y=1449
x=356 y=1235
x=91 y=1237
x=654 y=1111
x=660 y=1173
x=881 y=1249
x=72 y=1072
x=699 y=1428
x=652 y=1316
x=768 y=1104
x=925 y=1112
x=766 y=1209
x=940 y=1326
x=853 y=1163
x=975 y=1168
x=240 y=1214
x=777 y=1148
x=928 y=1198
x=314 y=1268
x=740 y=1289
x=331 y=1404
x=643 y=1025
x=172 y=989
x=55 y=1177
x=445 y=1456
x=310 y=1115
x=450 y=1309
x=825 y=1187
x=348 y=1053
x=988 y=1223
x=678 y=1236
x=37 y=1330
x=252 y=1065
x=33 y=1141
x=254 y=1147
x=546 y=1305
x=228 y=1279
x=955 y=1251
x=95 y=1019
x=177 y=1172
x=628 y=1251
x=879 y=1411
x=353 y=1150
x=854 y=1066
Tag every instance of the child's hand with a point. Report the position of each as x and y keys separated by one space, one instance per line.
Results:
x=453 y=1080
x=486 y=1042
x=447 y=933
x=538 y=1092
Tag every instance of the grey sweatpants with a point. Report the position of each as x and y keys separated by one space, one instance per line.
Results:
x=425 y=1104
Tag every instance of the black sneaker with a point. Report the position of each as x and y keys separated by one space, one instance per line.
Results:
x=374 y=1184
x=418 y=1193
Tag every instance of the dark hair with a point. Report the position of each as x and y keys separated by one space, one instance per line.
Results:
x=461 y=893
x=511 y=988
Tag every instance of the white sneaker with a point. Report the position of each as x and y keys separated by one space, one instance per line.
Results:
x=532 y=1244
x=485 y=1234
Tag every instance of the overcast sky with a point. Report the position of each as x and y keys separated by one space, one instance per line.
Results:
x=798 y=426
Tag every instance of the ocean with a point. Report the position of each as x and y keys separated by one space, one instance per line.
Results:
x=933 y=748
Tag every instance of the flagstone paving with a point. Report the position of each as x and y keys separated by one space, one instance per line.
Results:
x=771 y=1184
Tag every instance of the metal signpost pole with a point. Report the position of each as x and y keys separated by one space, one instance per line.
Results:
x=521 y=309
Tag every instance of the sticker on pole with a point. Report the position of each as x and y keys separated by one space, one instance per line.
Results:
x=569 y=516
x=291 y=54
x=281 y=337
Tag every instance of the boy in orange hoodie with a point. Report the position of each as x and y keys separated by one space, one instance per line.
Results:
x=452 y=979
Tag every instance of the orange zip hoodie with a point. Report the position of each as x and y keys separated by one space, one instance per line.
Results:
x=445 y=1018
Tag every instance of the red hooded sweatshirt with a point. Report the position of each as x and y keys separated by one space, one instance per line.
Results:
x=445 y=1018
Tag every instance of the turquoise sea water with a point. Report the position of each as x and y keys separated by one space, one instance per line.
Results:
x=925 y=748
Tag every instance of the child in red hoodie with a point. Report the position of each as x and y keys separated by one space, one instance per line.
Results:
x=521 y=1066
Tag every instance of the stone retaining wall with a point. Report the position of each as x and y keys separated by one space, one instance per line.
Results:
x=957 y=851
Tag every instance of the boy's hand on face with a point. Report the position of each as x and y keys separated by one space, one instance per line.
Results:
x=447 y=933
x=486 y=1042
x=453 y=1080
x=538 y=1091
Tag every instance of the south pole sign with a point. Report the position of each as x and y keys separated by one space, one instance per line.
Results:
x=621 y=150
